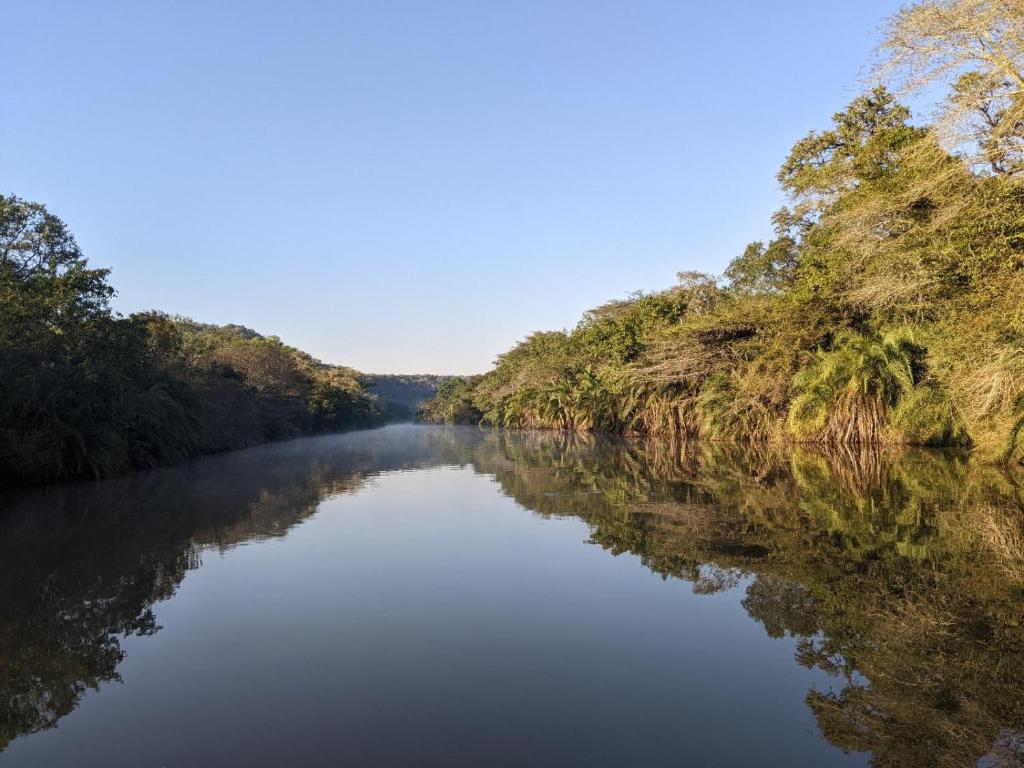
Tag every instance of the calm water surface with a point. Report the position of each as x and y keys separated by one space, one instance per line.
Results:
x=454 y=597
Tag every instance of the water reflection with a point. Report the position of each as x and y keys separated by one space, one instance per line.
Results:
x=902 y=573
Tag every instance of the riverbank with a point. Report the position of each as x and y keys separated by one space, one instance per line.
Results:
x=887 y=310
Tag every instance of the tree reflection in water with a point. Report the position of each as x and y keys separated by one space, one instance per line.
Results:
x=901 y=572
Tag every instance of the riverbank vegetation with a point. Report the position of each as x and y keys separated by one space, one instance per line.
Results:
x=888 y=307
x=87 y=393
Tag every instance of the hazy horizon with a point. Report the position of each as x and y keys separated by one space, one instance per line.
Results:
x=404 y=188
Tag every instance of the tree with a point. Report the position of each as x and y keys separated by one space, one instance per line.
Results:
x=47 y=289
x=859 y=146
x=764 y=268
x=974 y=49
x=452 y=404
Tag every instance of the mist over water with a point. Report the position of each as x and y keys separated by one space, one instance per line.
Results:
x=451 y=596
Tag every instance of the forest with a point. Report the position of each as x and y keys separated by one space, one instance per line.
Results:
x=886 y=309
x=87 y=393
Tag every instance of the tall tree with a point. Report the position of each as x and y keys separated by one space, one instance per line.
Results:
x=974 y=51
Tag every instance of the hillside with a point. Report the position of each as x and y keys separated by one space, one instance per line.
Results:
x=400 y=395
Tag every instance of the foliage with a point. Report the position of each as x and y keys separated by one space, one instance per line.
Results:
x=451 y=404
x=844 y=395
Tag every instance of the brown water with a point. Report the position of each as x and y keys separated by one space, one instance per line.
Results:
x=455 y=597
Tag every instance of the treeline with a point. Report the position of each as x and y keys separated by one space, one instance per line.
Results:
x=888 y=308
x=87 y=393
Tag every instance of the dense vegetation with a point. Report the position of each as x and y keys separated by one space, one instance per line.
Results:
x=86 y=393
x=887 y=308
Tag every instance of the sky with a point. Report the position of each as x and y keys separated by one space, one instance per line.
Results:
x=413 y=187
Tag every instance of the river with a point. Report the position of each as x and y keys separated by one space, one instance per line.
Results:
x=422 y=595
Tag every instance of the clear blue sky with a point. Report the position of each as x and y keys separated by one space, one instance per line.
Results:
x=414 y=186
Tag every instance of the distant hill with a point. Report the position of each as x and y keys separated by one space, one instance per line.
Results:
x=400 y=395
x=231 y=331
